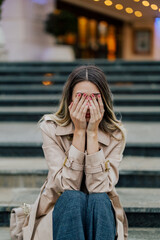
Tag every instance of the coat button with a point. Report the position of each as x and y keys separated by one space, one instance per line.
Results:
x=106 y=165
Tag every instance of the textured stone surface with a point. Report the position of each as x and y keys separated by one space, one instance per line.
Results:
x=134 y=233
x=133 y=199
x=129 y=163
x=137 y=132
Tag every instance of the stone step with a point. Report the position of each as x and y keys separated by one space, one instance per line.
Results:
x=31 y=172
x=133 y=233
x=47 y=100
x=57 y=78
x=28 y=113
x=99 y=62
x=142 y=139
x=57 y=88
x=63 y=69
x=33 y=149
x=141 y=205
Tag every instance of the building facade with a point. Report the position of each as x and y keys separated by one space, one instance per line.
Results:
x=103 y=30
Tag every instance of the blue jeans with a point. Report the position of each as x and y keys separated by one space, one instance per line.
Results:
x=78 y=216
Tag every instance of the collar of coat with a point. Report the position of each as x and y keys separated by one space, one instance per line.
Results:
x=69 y=129
x=103 y=137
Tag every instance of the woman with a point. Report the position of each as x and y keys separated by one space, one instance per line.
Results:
x=83 y=144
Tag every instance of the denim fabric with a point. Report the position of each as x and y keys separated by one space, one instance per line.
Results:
x=79 y=216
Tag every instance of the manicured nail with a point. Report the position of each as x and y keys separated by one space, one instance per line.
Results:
x=84 y=94
x=99 y=95
x=92 y=95
x=79 y=94
x=90 y=98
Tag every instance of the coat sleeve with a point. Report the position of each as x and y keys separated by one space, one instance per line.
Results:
x=65 y=172
x=101 y=169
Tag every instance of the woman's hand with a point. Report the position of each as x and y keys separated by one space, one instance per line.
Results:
x=96 y=113
x=78 y=109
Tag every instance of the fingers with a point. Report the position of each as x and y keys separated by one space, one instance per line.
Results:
x=83 y=109
x=75 y=102
x=79 y=105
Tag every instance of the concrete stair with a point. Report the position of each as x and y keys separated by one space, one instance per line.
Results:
x=136 y=172
x=134 y=233
x=25 y=97
x=25 y=113
x=140 y=213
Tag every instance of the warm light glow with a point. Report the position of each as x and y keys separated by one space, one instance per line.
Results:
x=136 y=0
x=138 y=14
x=46 y=83
x=129 y=10
x=96 y=0
x=154 y=6
x=48 y=74
x=159 y=9
x=145 y=3
x=119 y=6
x=108 y=2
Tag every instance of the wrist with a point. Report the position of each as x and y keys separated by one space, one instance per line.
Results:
x=79 y=132
x=92 y=133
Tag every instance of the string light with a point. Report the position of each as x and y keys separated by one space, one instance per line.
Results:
x=154 y=6
x=108 y=2
x=129 y=10
x=138 y=13
x=119 y=6
x=145 y=3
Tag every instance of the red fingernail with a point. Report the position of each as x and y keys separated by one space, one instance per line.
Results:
x=92 y=95
x=84 y=94
x=79 y=94
x=99 y=95
x=90 y=98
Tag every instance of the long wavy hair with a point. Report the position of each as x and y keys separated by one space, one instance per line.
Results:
x=95 y=75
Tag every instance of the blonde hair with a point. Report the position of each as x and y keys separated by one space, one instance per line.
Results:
x=95 y=75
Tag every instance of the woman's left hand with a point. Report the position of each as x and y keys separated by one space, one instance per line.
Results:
x=96 y=113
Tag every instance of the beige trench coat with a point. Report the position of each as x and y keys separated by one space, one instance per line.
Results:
x=66 y=165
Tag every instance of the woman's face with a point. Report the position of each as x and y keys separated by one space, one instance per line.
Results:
x=88 y=88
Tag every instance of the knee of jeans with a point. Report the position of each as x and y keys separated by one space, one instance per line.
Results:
x=99 y=198
x=74 y=195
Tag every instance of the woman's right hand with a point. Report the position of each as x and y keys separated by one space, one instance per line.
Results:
x=78 y=109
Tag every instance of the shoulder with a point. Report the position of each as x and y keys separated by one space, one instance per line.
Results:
x=48 y=125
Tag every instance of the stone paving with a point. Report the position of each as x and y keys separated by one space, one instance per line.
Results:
x=137 y=132
x=134 y=234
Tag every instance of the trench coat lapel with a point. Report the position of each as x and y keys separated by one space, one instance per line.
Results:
x=103 y=137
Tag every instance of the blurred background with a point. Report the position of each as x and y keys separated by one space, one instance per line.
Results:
x=41 y=42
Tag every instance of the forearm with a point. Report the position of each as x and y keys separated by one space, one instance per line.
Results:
x=79 y=140
x=92 y=143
